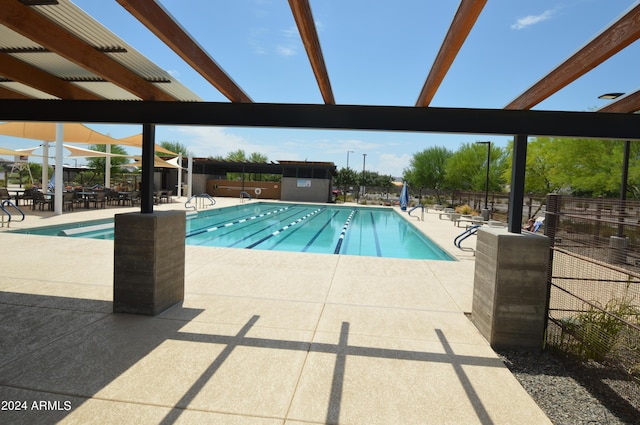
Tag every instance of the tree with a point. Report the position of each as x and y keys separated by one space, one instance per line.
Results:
x=346 y=177
x=427 y=169
x=176 y=147
x=258 y=157
x=238 y=156
x=593 y=168
x=99 y=163
x=540 y=166
x=466 y=168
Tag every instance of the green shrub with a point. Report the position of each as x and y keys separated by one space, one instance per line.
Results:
x=599 y=328
x=466 y=210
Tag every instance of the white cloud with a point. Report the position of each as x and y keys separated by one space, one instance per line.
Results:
x=391 y=164
x=219 y=141
x=286 y=50
x=289 y=45
x=530 y=20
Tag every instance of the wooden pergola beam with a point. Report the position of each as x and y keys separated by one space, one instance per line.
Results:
x=307 y=28
x=627 y=104
x=613 y=39
x=164 y=26
x=463 y=21
x=6 y=93
x=31 y=24
x=29 y=75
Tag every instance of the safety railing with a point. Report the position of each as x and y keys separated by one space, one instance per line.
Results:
x=4 y=207
x=415 y=208
x=198 y=202
x=472 y=230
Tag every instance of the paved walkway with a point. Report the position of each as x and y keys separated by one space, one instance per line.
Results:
x=261 y=338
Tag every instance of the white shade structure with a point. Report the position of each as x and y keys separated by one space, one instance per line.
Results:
x=11 y=152
x=157 y=162
x=88 y=153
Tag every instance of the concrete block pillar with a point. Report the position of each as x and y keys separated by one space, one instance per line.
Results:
x=149 y=257
x=510 y=288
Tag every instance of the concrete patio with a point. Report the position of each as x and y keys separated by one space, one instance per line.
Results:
x=261 y=338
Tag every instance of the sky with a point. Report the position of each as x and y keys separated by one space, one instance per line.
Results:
x=376 y=53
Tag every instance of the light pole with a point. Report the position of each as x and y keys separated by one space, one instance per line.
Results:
x=485 y=211
x=345 y=177
x=364 y=161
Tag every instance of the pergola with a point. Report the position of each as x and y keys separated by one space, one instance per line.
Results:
x=71 y=70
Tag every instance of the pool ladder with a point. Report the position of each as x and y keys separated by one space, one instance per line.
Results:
x=199 y=202
x=413 y=209
x=464 y=235
x=3 y=207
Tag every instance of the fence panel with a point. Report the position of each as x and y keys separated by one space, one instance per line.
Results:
x=594 y=276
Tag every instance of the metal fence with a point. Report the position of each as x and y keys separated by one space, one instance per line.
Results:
x=594 y=275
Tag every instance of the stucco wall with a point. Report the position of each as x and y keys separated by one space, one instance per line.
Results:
x=306 y=189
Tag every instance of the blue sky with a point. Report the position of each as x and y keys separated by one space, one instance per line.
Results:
x=377 y=53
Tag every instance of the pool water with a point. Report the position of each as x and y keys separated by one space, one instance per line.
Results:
x=362 y=231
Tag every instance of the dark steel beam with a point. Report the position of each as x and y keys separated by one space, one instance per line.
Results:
x=163 y=25
x=463 y=21
x=516 y=194
x=148 y=156
x=384 y=118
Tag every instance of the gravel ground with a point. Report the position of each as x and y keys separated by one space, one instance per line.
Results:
x=572 y=393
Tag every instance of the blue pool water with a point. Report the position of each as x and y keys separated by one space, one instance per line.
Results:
x=291 y=227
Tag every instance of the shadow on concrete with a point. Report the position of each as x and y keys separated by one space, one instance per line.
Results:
x=67 y=350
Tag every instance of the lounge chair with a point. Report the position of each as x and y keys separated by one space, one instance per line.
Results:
x=537 y=224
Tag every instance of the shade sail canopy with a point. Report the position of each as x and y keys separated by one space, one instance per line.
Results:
x=157 y=163
x=136 y=140
x=25 y=152
x=88 y=153
x=46 y=131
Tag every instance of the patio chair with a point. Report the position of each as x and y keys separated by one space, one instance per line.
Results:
x=68 y=201
x=40 y=201
x=26 y=197
x=134 y=198
x=165 y=196
x=111 y=196
x=98 y=199
x=4 y=194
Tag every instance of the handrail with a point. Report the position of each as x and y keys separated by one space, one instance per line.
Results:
x=414 y=208
x=201 y=197
x=464 y=235
x=8 y=203
x=244 y=195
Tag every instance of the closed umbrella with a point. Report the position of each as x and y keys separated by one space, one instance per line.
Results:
x=404 y=197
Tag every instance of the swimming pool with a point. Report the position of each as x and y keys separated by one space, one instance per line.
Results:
x=326 y=229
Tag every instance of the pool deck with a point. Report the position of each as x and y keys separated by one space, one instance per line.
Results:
x=262 y=337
